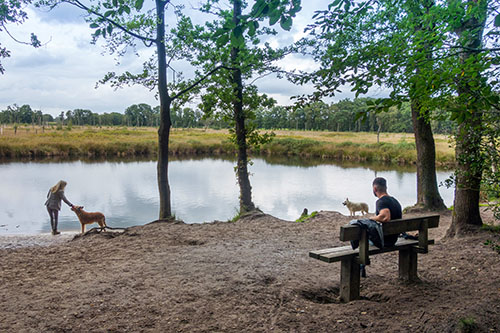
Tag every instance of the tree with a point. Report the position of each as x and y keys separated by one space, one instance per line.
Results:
x=233 y=39
x=469 y=29
x=464 y=80
x=122 y=24
x=11 y=11
x=450 y=66
x=381 y=43
x=140 y=115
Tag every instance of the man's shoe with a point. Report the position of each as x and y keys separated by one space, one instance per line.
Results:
x=55 y=232
x=363 y=271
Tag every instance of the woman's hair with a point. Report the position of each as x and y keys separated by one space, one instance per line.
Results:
x=58 y=187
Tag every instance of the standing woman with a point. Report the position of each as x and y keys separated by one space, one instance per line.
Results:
x=53 y=203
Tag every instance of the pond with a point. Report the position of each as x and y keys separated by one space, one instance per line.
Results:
x=203 y=190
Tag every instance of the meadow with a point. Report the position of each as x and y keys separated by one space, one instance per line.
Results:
x=86 y=141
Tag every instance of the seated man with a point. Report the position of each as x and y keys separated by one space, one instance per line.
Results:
x=387 y=208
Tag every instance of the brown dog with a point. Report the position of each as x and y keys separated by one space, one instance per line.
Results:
x=89 y=218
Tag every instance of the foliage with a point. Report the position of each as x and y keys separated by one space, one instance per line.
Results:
x=337 y=117
x=218 y=40
x=12 y=11
x=428 y=52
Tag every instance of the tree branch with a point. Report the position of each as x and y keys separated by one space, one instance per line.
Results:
x=146 y=40
x=20 y=41
x=197 y=82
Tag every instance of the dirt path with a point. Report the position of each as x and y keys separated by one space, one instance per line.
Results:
x=252 y=275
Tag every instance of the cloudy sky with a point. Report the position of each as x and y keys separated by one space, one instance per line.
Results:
x=62 y=74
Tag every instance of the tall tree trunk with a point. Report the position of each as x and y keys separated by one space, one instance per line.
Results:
x=466 y=214
x=468 y=177
x=165 y=123
x=246 y=203
x=428 y=197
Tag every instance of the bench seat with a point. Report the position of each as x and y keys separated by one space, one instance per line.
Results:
x=344 y=252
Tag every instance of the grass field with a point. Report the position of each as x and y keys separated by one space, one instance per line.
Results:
x=33 y=141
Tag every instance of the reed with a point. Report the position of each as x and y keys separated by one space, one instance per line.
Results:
x=122 y=141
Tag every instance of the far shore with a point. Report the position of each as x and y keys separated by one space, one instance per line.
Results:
x=112 y=142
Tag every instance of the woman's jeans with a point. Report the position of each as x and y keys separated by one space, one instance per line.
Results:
x=54 y=214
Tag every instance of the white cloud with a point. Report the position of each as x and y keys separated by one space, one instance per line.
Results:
x=62 y=74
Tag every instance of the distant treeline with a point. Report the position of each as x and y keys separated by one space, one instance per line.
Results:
x=339 y=117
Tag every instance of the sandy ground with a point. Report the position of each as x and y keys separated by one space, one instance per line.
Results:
x=254 y=275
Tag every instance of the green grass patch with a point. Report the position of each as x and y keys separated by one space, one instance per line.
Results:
x=467 y=325
x=122 y=141
x=492 y=228
x=305 y=218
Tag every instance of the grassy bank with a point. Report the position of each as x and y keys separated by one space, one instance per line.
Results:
x=97 y=142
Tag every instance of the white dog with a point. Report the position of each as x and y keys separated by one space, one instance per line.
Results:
x=356 y=207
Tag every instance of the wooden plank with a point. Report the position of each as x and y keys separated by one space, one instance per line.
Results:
x=345 y=254
x=338 y=256
x=363 y=248
x=408 y=265
x=349 y=280
x=351 y=232
x=315 y=254
x=423 y=235
x=412 y=224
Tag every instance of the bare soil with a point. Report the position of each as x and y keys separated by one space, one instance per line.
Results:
x=253 y=275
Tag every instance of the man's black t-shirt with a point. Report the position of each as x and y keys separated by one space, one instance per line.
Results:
x=396 y=213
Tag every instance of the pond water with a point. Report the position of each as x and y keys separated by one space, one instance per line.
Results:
x=203 y=190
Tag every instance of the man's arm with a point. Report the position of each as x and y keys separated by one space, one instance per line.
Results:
x=383 y=216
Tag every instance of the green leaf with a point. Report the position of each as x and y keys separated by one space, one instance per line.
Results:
x=109 y=13
x=237 y=38
x=219 y=32
x=252 y=27
x=109 y=29
x=94 y=25
x=222 y=40
x=259 y=8
x=138 y=4
x=126 y=9
x=497 y=20
x=333 y=4
x=286 y=23
x=494 y=99
x=274 y=17
x=115 y=3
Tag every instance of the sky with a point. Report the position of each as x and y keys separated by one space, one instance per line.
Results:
x=62 y=74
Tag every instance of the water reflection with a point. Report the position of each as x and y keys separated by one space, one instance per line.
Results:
x=203 y=189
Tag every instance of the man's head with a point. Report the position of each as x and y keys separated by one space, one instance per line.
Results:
x=379 y=186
